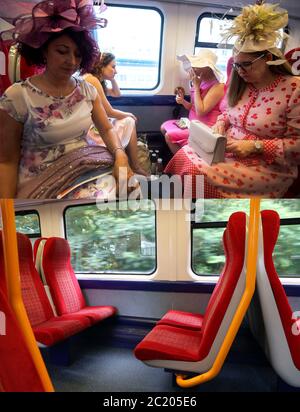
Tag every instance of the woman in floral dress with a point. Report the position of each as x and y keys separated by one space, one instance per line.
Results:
x=47 y=117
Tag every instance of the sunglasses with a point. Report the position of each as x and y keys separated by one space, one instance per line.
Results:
x=245 y=65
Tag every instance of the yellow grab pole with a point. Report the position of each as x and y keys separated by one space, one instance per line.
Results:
x=12 y=271
x=252 y=248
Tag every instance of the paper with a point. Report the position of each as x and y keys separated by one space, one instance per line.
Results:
x=186 y=64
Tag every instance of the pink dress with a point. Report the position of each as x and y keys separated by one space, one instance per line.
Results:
x=271 y=114
x=180 y=136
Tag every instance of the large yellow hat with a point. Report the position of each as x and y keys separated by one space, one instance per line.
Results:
x=257 y=28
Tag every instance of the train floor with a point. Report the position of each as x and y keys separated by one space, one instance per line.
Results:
x=106 y=368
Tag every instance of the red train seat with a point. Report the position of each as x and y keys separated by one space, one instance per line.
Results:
x=64 y=287
x=184 y=349
x=282 y=327
x=190 y=320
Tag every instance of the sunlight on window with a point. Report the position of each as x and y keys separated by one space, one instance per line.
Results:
x=136 y=46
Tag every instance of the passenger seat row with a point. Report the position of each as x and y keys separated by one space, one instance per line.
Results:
x=72 y=313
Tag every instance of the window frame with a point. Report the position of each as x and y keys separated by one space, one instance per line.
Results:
x=131 y=6
x=120 y=274
x=202 y=44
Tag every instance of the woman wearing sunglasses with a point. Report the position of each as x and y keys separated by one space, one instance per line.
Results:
x=262 y=120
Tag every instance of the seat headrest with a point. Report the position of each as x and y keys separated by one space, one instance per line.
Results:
x=271 y=226
x=57 y=248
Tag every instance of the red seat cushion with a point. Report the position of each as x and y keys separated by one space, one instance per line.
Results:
x=97 y=313
x=59 y=328
x=168 y=342
x=271 y=226
x=179 y=318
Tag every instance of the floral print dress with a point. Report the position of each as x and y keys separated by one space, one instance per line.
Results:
x=270 y=114
x=52 y=126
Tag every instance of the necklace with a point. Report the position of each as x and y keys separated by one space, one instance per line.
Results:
x=54 y=91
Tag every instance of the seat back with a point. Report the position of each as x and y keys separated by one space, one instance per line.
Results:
x=38 y=249
x=17 y=370
x=229 y=289
x=34 y=296
x=64 y=287
x=282 y=343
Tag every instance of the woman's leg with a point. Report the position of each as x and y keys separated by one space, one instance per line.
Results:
x=174 y=147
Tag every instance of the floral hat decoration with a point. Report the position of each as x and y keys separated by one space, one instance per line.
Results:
x=53 y=16
x=257 y=28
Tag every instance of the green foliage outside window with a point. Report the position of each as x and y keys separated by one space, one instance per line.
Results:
x=111 y=241
x=207 y=248
x=28 y=223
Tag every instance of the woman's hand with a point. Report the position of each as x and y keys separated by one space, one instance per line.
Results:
x=219 y=127
x=131 y=115
x=179 y=97
x=123 y=174
x=241 y=148
x=195 y=79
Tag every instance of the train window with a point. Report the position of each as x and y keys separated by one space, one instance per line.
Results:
x=209 y=35
x=108 y=241
x=207 y=230
x=209 y=224
x=287 y=250
x=28 y=222
x=137 y=48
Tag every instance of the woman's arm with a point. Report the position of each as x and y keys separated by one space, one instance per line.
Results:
x=10 y=142
x=122 y=171
x=114 y=91
x=110 y=111
x=181 y=100
x=213 y=96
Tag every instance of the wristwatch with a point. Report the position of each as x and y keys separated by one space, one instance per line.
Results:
x=258 y=146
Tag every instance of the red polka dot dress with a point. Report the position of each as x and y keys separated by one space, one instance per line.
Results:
x=270 y=114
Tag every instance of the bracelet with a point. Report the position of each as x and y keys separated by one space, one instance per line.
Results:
x=117 y=148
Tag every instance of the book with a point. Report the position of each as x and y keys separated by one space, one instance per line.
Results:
x=87 y=177
x=208 y=145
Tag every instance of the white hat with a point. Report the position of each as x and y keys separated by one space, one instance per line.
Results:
x=205 y=58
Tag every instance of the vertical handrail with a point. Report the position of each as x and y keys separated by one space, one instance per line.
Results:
x=12 y=270
x=251 y=253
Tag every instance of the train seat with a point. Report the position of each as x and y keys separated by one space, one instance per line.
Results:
x=47 y=328
x=17 y=372
x=282 y=329
x=64 y=287
x=190 y=320
x=183 y=349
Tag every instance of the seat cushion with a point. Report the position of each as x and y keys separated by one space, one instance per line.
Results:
x=168 y=342
x=182 y=319
x=59 y=328
x=97 y=313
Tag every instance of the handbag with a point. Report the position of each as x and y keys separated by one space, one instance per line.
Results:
x=208 y=145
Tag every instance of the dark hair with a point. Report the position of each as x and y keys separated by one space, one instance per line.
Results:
x=87 y=46
x=237 y=85
x=103 y=60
